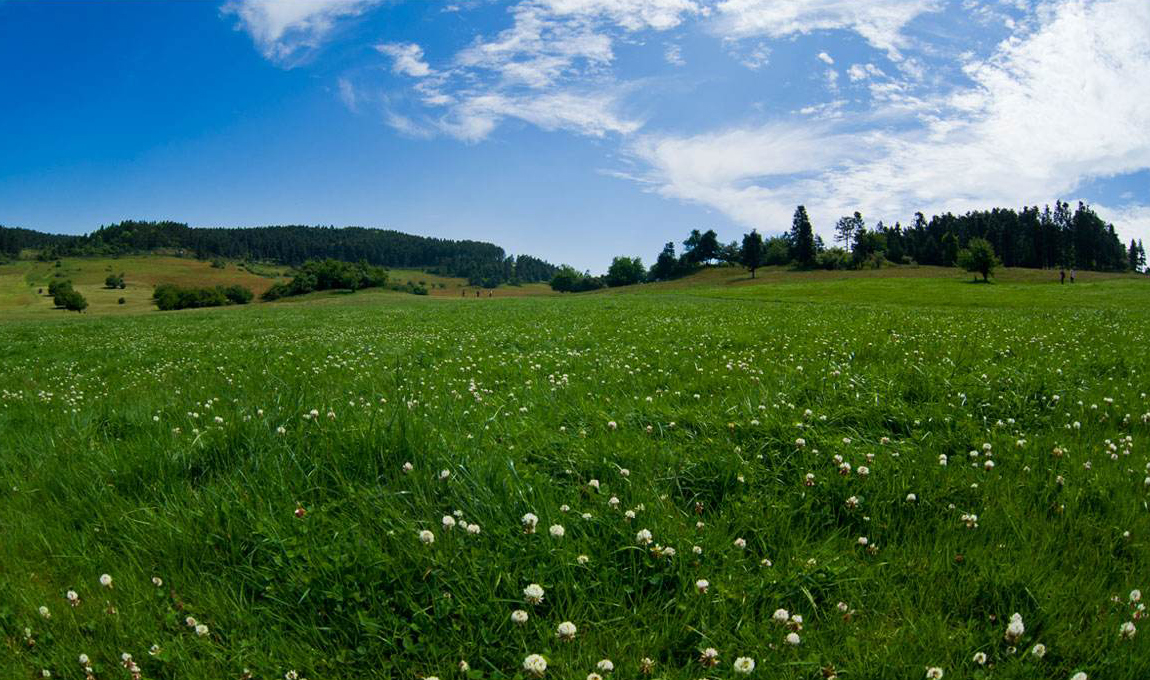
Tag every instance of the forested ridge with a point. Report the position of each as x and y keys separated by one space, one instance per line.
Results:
x=481 y=263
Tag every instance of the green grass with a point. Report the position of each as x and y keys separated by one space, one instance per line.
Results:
x=112 y=460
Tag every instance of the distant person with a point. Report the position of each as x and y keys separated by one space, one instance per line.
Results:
x=463 y=293
x=1072 y=273
x=476 y=292
x=1062 y=274
x=490 y=293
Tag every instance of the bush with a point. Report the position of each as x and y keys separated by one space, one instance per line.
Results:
x=113 y=281
x=833 y=259
x=238 y=295
x=121 y=301
x=316 y=275
x=568 y=280
x=71 y=300
x=170 y=297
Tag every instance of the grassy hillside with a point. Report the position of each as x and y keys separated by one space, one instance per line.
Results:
x=256 y=482
x=21 y=281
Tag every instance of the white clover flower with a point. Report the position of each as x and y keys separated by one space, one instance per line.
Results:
x=800 y=442
x=533 y=593
x=793 y=639
x=709 y=657
x=565 y=631
x=594 y=484
x=740 y=543
x=444 y=474
x=911 y=498
x=611 y=424
x=1127 y=630
x=1079 y=676
x=44 y=612
x=934 y=673
x=557 y=531
x=106 y=580
x=529 y=521
x=582 y=559
x=464 y=666
x=1014 y=629
x=426 y=537
x=408 y=467
x=1038 y=650
x=1135 y=595
x=980 y=658
x=781 y=616
x=744 y=665
x=605 y=666
x=613 y=501
x=701 y=585
x=863 y=540
x=630 y=514
x=594 y=676
x=519 y=616
x=448 y=522
x=535 y=665
x=643 y=537
x=624 y=472
x=473 y=529
x=201 y=630
x=157 y=581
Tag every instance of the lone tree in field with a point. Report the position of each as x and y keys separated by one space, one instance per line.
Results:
x=978 y=256
x=802 y=238
x=847 y=228
x=753 y=253
x=625 y=271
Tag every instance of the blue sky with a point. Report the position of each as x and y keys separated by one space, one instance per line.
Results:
x=570 y=129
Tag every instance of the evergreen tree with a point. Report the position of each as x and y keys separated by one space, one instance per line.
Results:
x=802 y=238
x=666 y=267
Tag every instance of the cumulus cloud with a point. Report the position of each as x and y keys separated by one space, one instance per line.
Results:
x=285 y=31
x=1054 y=107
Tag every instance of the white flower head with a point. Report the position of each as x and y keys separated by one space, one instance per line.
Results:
x=535 y=665
x=605 y=666
x=106 y=580
x=533 y=593
x=565 y=631
x=519 y=616
x=744 y=665
x=557 y=531
x=426 y=537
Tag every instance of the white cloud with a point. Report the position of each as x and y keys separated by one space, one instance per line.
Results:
x=674 y=55
x=880 y=22
x=407 y=59
x=632 y=15
x=285 y=31
x=826 y=58
x=1065 y=103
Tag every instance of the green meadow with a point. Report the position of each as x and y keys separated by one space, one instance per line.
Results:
x=852 y=476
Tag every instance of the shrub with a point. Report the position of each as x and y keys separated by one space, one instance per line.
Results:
x=114 y=281
x=170 y=297
x=121 y=301
x=316 y=275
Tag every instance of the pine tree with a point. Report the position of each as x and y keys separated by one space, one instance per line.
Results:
x=802 y=238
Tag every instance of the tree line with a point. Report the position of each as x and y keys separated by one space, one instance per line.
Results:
x=978 y=241
x=482 y=264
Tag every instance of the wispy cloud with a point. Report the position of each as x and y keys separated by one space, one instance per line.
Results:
x=286 y=31
x=1047 y=111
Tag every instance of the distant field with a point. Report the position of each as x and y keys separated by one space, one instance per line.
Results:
x=20 y=282
x=851 y=476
